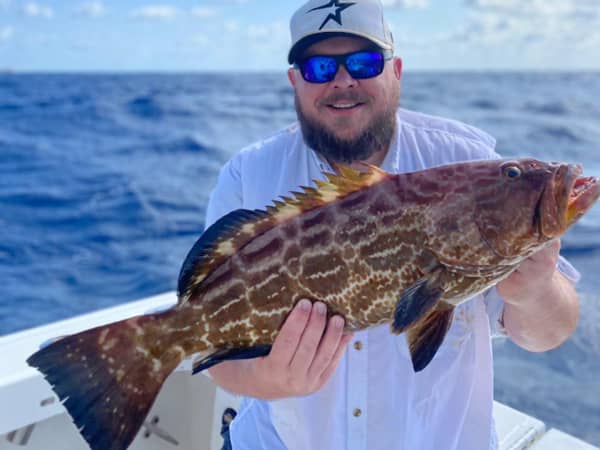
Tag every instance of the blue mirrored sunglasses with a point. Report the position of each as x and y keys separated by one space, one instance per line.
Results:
x=360 y=65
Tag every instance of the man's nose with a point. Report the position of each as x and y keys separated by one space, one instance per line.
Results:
x=343 y=79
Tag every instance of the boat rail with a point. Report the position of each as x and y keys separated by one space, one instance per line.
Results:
x=188 y=410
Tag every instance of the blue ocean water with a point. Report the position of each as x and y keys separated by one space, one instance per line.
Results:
x=104 y=180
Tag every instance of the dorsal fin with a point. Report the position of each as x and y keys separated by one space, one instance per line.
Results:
x=216 y=244
x=349 y=180
x=234 y=230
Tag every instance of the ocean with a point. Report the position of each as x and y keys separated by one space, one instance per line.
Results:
x=104 y=179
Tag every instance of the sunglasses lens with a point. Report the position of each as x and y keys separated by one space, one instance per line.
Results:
x=319 y=69
x=364 y=64
x=360 y=65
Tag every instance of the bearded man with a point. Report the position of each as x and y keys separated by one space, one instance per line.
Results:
x=314 y=391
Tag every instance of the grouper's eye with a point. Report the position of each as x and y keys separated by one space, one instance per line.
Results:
x=512 y=171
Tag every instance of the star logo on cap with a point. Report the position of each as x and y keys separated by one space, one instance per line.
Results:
x=336 y=15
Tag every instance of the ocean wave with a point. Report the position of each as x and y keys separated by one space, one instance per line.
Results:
x=8 y=107
x=186 y=144
x=175 y=146
x=577 y=250
x=485 y=104
x=145 y=107
x=561 y=133
x=553 y=108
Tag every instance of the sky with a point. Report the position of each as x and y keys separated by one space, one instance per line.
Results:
x=253 y=35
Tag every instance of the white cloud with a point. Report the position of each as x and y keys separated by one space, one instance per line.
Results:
x=202 y=12
x=231 y=26
x=406 y=4
x=258 y=31
x=92 y=9
x=512 y=33
x=32 y=9
x=5 y=34
x=592 y=40
x=537 y=7
x=268 y=32
x=155 y=12
x=531 y=22
x=201 y=40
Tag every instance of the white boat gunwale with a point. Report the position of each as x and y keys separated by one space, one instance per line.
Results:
x=32 y=402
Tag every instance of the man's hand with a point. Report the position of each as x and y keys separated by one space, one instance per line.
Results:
x=304 y=355
x=541 y=306
x=533 y=277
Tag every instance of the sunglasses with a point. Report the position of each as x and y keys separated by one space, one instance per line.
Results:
x=360 y=65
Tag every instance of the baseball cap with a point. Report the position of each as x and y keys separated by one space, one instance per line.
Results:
x=319 y=19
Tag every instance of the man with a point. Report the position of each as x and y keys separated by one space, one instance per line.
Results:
x=313 y=391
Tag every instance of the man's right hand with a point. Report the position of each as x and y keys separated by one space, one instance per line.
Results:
x=304 y=355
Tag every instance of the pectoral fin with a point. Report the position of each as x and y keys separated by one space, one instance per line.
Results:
x=417 y=300
x=227 y=355
x=426 y=336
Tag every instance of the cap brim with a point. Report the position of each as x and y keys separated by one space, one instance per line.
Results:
x=299 y=47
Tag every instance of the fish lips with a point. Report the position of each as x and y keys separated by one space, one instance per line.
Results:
x=584 y=194
x=566 y=197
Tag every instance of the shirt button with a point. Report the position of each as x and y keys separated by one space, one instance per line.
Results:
x=357 y=412
x=358 y=345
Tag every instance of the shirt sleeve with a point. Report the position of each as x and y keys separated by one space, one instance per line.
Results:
x=495 y=304
x=226 y=195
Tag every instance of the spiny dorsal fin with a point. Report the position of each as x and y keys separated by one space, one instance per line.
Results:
x=336 y=187
x=216 y=244
x=349 y=180
x=230 y=233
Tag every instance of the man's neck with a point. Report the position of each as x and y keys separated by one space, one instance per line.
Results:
x=376 y=159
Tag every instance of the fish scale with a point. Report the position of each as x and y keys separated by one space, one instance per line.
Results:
x=375 y=248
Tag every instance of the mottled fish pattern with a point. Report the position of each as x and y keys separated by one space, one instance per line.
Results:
x=376 y=248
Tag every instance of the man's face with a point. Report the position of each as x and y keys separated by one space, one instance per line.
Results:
x=347 y=119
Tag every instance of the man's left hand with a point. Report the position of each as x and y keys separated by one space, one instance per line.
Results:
x=533 y=276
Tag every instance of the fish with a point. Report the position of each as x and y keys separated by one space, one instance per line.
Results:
x=375 y=247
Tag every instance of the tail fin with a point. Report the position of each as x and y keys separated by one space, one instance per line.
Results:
x=107 y=379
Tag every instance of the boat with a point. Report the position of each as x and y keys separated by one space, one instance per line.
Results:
x=187 y=413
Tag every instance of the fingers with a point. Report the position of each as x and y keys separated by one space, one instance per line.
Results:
x=303 y=356
x=335 y=360
x=308 y=347
x=543 y=263
x=286 y=343
x=533 y=274
x=309 y=343
x=327 y=347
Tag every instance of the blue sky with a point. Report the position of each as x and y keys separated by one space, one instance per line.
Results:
x=241 y=35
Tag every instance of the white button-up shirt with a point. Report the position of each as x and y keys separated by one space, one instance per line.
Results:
x=375 y=400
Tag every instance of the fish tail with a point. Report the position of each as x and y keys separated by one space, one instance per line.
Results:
x=107 y=379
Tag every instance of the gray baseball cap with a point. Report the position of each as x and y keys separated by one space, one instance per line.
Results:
x=319 y=19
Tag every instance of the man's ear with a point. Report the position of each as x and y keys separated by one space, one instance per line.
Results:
x=398 y=67
x=292 y=76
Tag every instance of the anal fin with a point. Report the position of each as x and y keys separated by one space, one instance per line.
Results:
x=426 y=336
x=228 y=354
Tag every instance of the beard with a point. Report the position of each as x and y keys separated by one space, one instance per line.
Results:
x=375 y=137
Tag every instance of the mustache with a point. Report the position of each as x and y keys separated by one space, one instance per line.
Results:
x=350 y=97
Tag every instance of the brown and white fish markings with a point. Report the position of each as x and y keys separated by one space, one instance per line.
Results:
x=376 y=248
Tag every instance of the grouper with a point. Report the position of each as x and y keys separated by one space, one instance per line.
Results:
x=376 y=248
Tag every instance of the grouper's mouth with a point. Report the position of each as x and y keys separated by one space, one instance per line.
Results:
x=584 y=193
x=567 y=197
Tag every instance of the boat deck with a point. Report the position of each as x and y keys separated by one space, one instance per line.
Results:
x=188 y=409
